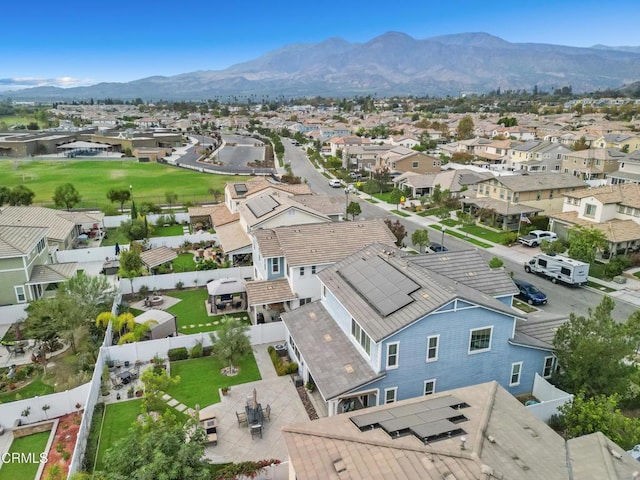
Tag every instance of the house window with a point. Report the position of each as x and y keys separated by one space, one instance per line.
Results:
x=313 y=269
x=393 y=350
x=414 y=165
x=390 y=395
x=539 y=195
x=21 y=297
x=547 y=371
x=516 y=370
x=480 y=340
x=275 y=265
x=302 y=271
x=590 y=210
x=363 y=339
x=432 y=348
x=324 y=291
x=429 y=387
x=304 y=301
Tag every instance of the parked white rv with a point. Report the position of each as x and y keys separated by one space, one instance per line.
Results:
x=559 y=269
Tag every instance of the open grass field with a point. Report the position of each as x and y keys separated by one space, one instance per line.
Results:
x=94 y=178
x=200 y=379
x=31 y=444
x=118 y=417
x=18 y=119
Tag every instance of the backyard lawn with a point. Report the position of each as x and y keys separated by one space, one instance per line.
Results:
x=36 y=388
x=93 y=180
x=34 y=444
x=200 y=379
x=118 y=417
x=184 y=263
x=191 y=312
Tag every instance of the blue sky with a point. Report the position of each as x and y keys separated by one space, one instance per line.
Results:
x=73 y=43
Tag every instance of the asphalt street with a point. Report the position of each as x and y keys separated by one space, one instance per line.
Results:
x=562 y=300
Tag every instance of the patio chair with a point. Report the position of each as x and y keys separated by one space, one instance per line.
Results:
x=115 y=384
x=256 y=430
x=242 y=418
x=266 y=413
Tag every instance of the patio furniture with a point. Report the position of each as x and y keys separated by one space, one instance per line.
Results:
x=221 y=306
x=210 y=428
x=116 y=385
x=256 y=430
x=242 y=418
x=254 y=415
x=126 y=377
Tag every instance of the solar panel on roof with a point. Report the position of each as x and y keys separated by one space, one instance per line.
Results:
x=383 y=286
x=260 y=206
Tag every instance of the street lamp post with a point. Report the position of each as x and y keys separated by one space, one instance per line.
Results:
x=443 y=232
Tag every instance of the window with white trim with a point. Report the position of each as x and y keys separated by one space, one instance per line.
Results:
x=590 y=210
x=429 y=387
x=393 y=352
x=390 y=395
x=480 y=339
x=313 y=269
x=302 y=271
x=433 y=342
x=362 y=338
x=549 y=363
x=516 y=372
x=275 y=265
x=21 y=296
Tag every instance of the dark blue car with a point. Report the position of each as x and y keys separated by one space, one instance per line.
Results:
x=530 y=293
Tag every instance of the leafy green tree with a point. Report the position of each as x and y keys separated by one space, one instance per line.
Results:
x=496 y=262
x=216 y=193
x=161 y=448
x=420 y=238
x=395 y=196
x=382 y=177
x=397 y=229
x=121 y=196
x=5 y=193
x=354 y=210
x=591 y=351
x=131 y=265
x=92 y=294
x=231 y=342
x=147 y=208
x=557 y=246
x=66 y=196
x=584 y=242
x=465 y=128
x=156 y=381
x=21 y=195
x=580 y=144
x=134 y=229
x=585 y=415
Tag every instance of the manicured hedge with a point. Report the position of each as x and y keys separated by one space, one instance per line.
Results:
x=281 y=368
x=180 y=353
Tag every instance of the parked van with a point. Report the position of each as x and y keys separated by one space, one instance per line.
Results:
x=559 y=269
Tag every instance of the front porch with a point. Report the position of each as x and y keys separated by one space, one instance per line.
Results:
x=500 y=214
x=268 y=299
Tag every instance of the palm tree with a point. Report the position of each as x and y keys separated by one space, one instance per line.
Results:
x=138 y=332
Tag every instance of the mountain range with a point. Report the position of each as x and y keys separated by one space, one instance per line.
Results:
x=390 y=64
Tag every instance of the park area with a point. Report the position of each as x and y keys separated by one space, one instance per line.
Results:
x=150 y=181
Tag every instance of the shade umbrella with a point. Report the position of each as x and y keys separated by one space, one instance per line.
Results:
x=255 y=399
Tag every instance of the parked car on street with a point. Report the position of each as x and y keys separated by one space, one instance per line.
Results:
x=530 y=293
x=434 y=247
x=335 y=183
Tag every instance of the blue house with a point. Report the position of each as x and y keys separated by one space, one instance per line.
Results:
x=390 y=326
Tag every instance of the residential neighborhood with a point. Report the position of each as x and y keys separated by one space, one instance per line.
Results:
x=214 y=280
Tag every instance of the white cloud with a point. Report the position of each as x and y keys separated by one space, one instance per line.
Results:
x=28 y=82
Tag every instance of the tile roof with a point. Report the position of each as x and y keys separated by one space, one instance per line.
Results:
x=260 y=208
x=542 y=329
x=469 y=268
x=59 y=227
x=18 y=241
x=264 y=292
x=232 y=237
x=325 y=204
x=219 y=214
x=320 y=243
x=627 y=194
x=435 y=290
x=158 y=256
x=52 y=273
x=500 y=206
x=540 y=181
x=338 y=366
x=257 y=184
x=503 y=440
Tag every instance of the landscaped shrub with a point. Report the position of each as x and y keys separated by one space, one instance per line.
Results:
x=207 y=351
x=616 y=266
x=281 y=367
x=179 y=285
x=495 y=262
x=94 y=436
x=196 y=351
x=508 y=238
x=179 y=353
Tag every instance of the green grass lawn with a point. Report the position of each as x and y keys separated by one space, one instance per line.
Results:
x=461 y=236
x=36 y=388
x=93 y=179
x=598 y=286
x=200 y=379
x=30 y=444
x=596 y=270
x=170 y=231
x=481 y=232
x=398 y=212
x=525 y=307
x=192 y=311
x=184 y=263
x=118 y=417
x=114 y=235
x=18 y=119
x=450 y=222
x=371 y=200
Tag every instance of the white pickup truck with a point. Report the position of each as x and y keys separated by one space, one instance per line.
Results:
x=535 y=237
